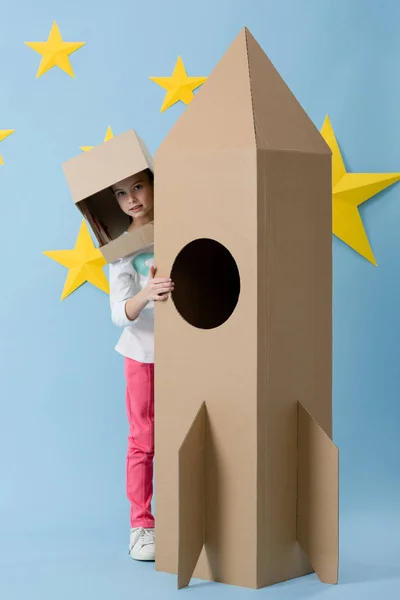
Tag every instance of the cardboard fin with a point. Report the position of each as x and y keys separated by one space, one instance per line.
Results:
x=192 y=473
x=318 y=497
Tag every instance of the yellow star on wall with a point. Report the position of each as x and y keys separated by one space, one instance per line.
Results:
x=109 y=136
x=55 y=52
x=350 y=190
x=179 y=86
x=3 y=134
x=84 y=263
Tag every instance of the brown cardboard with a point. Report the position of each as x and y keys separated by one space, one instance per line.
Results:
x=318 y=497
x=90 y=175
x=243 y=166
x=127 y=244
x=192 y=467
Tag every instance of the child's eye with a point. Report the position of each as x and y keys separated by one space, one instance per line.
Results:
x=138 y=187
x=119 y=194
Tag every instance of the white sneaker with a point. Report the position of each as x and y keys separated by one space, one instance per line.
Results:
x=142 y=544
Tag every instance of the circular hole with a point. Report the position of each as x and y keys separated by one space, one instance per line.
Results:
x=207 y=283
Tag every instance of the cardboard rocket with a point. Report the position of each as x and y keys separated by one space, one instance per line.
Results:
x=246 y=470
x=90 y=176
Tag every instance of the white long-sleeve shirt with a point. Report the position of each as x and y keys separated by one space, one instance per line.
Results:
x=128 y=276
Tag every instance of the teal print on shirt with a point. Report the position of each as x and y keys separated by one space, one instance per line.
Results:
x=141 y=263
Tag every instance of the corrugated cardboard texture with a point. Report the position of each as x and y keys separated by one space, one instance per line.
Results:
x=90 y=175
x=294 y=339
x=318 y=497
x=280 y=121
x=129 y=242
x=192 y=468
x=195 y=365
x=226 y=173
x=105 y=164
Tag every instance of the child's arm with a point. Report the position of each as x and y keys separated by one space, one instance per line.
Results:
x=157 y=289
x=135 y=305
x=122 y=288
x=126 y=302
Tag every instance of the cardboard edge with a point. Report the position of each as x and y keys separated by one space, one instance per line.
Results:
x=129 y=243
x=146 y=153
x=69 y=165
x=192 y=497
x=246 y=34
x=317 y=497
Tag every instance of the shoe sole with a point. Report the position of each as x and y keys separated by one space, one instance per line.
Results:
x=142 y=558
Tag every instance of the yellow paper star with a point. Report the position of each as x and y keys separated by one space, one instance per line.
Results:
x=179 y=86
x=84 y=263
x=109 y=136
x=55 y=52
x=3 y=134
x=350 y=190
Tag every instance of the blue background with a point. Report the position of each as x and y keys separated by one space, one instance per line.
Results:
x=63 y=512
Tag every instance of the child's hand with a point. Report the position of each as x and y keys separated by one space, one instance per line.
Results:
x=158 y=288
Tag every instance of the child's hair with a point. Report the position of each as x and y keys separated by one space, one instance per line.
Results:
x=150 y=175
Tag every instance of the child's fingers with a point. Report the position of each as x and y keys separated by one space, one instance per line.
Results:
x=161 y=289
x=162 y=297
x=161 y=280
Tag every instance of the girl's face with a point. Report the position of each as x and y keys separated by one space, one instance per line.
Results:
x=135 y=197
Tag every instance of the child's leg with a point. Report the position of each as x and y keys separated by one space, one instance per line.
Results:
x=139 y=462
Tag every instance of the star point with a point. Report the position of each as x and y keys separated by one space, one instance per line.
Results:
x=109 y=135
x=350 y=191
x=179 y=86
x=55 y=52
x=84 y=263
x=4 y=133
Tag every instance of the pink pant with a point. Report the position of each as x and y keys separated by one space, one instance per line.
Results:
x=139 y=460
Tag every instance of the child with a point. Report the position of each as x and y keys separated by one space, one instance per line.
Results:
x=133 y=289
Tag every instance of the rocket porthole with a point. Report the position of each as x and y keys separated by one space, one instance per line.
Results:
x=207 y=283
